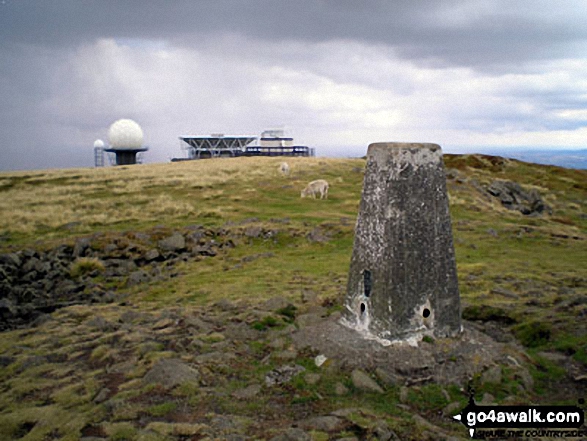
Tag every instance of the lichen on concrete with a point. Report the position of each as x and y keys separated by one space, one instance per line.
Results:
x=402 y=282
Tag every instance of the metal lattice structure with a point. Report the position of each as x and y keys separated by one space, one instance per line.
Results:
x=201 y=147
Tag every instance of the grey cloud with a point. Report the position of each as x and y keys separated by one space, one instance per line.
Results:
x=484 y=37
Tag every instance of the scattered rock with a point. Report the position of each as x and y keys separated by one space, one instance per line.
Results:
x=80 y=247
x=5 y=361
x=525 y=377
x=283 y=374
x=513 y=197
x=138 y=277
x=292 y=434
x=171 y=372
x=163 y=323
x=364 y=382
x=10 y=259
x=152 y=254
x=275 y=304
x=403 y=394
x=248 y=392
x=226 y=305
x=386 y=377
x=286 y=355
x=340 y=389
x=492 y=375
x=175 y=429
x=322 y=423
x=102 y=396
x=304 y=320
x=175 y=242
x=487 y=399
x=317 y=235
x=504 y=292
x=383 y=432
x=437 y=432
x=452 y=409
x=100 y=323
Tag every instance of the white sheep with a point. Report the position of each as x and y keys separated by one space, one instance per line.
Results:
x=284 y=169
x=320 y=186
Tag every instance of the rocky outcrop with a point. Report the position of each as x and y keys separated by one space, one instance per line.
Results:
x=514 y=197
x=36 y=282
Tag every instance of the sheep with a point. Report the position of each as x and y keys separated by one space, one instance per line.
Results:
x=284 y=169
x=314 y=187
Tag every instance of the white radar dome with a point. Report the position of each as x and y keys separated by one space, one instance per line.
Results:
x=125 y=134
x=98 y=143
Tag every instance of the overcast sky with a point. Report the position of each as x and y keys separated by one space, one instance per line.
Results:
x=336 y=74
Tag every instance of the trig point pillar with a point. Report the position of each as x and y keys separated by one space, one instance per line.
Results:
x=403 y=279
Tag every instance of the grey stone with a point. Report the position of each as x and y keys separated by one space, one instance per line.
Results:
x=364 y=382
x=102 y=395
x=317 y=235
x=504 y=292
x=6 y=361
x=492 y=375
x=340 y=389
x=487 y=399
x=286 y=355
x=322 y=423
x=248 y=392
x=402 y=275
x=385 y=377
x=452 y=409
x=152 y=254
x=278 y=343
x=80 y=247
x=6 y=306
x=283 y=374
x=309 y=319
x=345 y=412
x=138 y=277
x=226 y=423
x=100 y=323
x=10 y=259
x=175 y=242
x=275 y=303
x=403 y=394
x=383 y=432
x=514 y=197
x=226 y=305
x=292 y=434
x=171 y=372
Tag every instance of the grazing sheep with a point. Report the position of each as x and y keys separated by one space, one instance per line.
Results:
x=284 y=169
x=320 y=186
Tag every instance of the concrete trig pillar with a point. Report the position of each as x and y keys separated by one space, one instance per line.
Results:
x=403 y=279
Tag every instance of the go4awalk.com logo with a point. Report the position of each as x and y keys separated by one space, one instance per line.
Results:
x=520 y=421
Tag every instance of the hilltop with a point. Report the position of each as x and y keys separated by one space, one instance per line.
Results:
x=169 y=301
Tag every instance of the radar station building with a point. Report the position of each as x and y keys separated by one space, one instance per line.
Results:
x=271 y=143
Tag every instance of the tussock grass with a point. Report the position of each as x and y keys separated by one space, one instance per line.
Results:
x=85 y=265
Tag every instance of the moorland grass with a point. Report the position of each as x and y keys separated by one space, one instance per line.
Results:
x=531 y=270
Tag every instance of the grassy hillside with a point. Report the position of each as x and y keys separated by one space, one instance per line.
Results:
x=523 y=279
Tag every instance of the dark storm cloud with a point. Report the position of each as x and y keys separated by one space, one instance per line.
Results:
x=340 y=72
x=480 y=34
